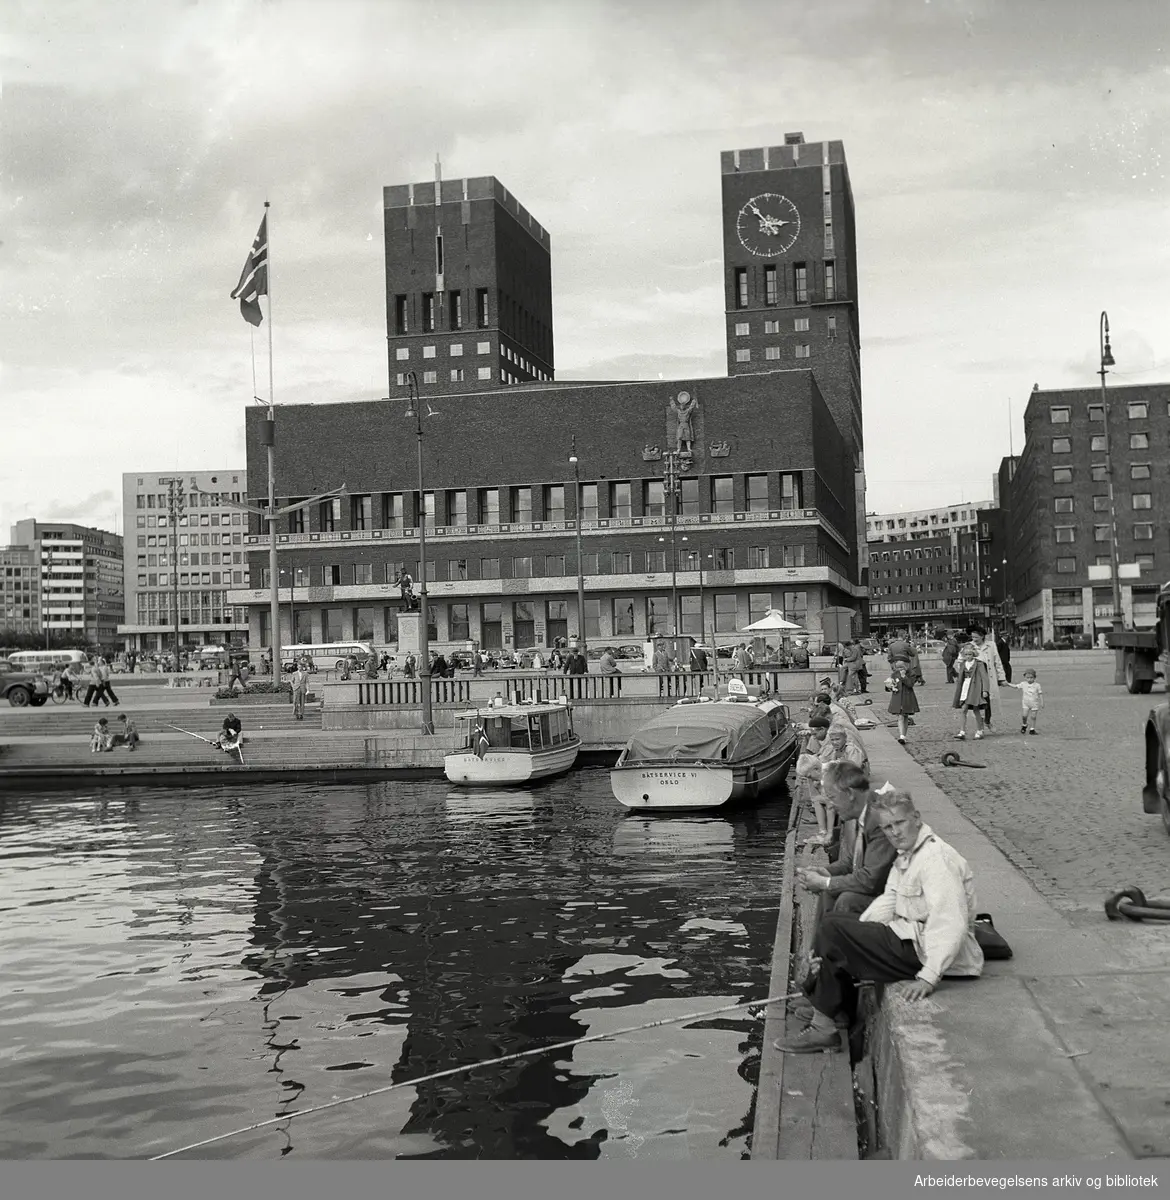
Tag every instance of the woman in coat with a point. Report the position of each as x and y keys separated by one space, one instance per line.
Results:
x=989 y=656
x=970 y=689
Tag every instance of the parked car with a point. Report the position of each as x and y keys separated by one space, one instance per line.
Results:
x=22 y=688
x=870 y=646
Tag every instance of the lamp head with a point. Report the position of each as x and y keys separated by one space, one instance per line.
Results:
x=573 y=459
x=1107 y=355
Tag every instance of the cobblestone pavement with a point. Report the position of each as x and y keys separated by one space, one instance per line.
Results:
x=1064 y=806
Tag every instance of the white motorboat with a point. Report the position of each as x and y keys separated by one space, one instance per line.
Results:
x=706 y=753
x=513 y=743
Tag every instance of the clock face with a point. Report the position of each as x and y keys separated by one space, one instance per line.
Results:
x=768 y=225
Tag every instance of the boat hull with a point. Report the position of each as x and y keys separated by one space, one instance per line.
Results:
x=508 y=766
x=675 y=785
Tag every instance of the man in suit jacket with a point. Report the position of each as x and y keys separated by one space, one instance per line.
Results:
x=858 y=876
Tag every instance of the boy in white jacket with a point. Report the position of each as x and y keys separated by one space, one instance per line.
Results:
x=1031 y=700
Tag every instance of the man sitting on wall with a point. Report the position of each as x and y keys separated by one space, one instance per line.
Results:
x=858 y=877
x=920 y=929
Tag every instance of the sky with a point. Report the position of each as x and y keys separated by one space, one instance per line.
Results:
x=1006 y=158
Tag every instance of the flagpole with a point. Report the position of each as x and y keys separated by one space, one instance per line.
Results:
x=273 y=572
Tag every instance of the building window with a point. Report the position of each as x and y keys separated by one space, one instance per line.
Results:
x=428 y=352
x=725 y=612
x=622 y=562
x=1100 y=533
x=554 y=565
x=791 y=492
x=803 y=350
x=619 y=501
x=741 y=287
x=742 y=328
x=1062 y=475
x=772 y=352
x=757 y=493
x=456 y=350
x=832 y=327
x=489 y=506
x=1066 y=566
x=456 y=569
x=1139 y=471
x=483 y=347
x=723 y=559
x=489 y=568
x=800 y=281
x=1059 y=416
x=1096 y=412
x=794 y=556
x=361 y=512
x=401 y=325
x=743 y=356
x=800 y=324
x=688 y=497
x=1097 y=442
x=363 y=572
x=1144 y=560
x=430 y=377
x=658 y=615
x=522 y=567
x=1143 y=533
x=1062 y=445
x=481 y=308
x=757 y=556
x=330 y=514
x=1100 y=503
x=771 y=286
x=771 y=326
x=654 y=498
x=723 y=494
x=623 y=616
x=830 y=281
x=455 y=302
x=554 y=502
x=522 y=505
x=1098 y=473
x=484 y=373
x=1066 y=533
x=1139 y=441
x=428 y=308
x=1062 y=504
x=1142 y=500
x=1138 y=410
x=656 y=561
x=456 y=374
x=589 y=502
x=590 y=564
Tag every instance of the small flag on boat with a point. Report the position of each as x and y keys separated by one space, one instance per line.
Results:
x=481 y=741
x=254 y=277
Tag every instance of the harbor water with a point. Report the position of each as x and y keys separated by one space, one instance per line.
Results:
x=182 y=963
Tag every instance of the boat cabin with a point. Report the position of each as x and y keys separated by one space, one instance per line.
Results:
x=523 y=727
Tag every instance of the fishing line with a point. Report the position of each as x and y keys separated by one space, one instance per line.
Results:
x=487 y=1062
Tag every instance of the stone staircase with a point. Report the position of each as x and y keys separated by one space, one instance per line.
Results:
x=69 y=720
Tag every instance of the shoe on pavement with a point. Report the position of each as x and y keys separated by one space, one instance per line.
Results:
x=901 y=741
x=960 y=737
x=1023 y=729
x=978 y=734
x=1032 y=732
x=810 y=1040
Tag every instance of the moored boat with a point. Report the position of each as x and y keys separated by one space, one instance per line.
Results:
x=705 y=754
x=513 y=743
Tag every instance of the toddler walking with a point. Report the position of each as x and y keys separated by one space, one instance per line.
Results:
x=1032 y=700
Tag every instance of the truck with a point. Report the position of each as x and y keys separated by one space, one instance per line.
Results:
x=1141 y=652
x=1140 y=659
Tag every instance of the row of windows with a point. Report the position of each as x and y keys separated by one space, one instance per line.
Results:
x=430 y=306
x=911 y=588
x=526 y=566
x=402 y=353
x=771 y=281
x=956 y=515
x=1065 y=504
x=455 y=375
x=150 y=540
x=193 y=500
x=799 y=325
x=929 y=569
x=162 y=521
x=772 y=353
x=1099 y=473
x=1142 y=531
x=208 y=559
x=189 y=578
x=482 y=506
x=1137 y=410
x=1068 y=566
x=626 y=616
x=1137 y=441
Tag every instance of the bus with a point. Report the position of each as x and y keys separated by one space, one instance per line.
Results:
x=325 y=654
x=47 y=662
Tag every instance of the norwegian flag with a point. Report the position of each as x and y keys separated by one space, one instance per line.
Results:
x=254 y=277
x=481 y=741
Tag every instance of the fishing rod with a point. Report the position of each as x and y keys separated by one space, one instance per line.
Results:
x=488 y=1062
x=238 y=747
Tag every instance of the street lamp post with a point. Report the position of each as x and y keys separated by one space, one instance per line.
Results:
x=1106 y=362
x=580 y=559
x=414 y=409
x=670 y=487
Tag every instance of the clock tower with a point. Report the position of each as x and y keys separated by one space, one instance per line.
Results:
x=790 y=275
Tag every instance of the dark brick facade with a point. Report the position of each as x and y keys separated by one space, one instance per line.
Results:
x=775 y=428
x=490 y=309
x=1059 y=518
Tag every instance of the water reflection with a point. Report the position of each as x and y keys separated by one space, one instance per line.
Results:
x=234 y=958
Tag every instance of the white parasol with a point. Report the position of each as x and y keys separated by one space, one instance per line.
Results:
x=771 y=621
